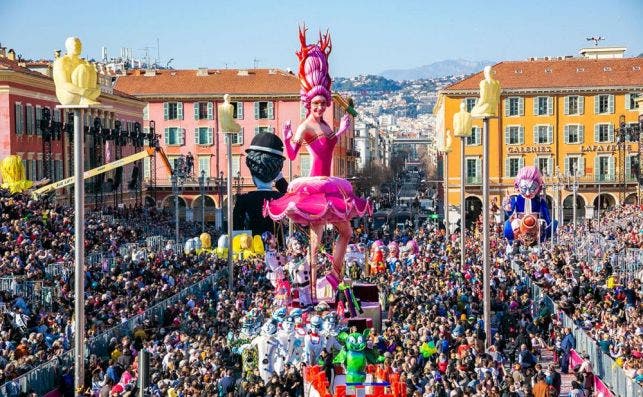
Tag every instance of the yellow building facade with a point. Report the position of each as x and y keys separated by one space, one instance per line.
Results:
x=576 y=119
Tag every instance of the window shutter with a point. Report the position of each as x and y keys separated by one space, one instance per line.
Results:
x=610 y=101
x=566 y=134
x=597 y=168
x=239 y=110
x=181 y=132
x=240 y=137
x=581 y=133
x=505 y=104
x=628 y=166
x=535 y=134
x=521 y=106
x=271 y=110
x=550 y=105
x=597 y=128
x=581 y=104
x=478 y=136
x=508 y=167
x=581 y=167
x=535 y=106
x=627 y=101
x=210 y=136
x=179 y=110
x=596 y=104
x=256 y=130
x=521 y=162
x=550 y=133
x=611 y=168
x=256 y=110
x=478 y=169
x=566 y=166
x=507 y=136
x=550 y=166
x=210 y=111
x=167 y=136
x=567 y=105
x=521 y=135
x=196 y=136
x=146 y=112
x=610 y=132
x=166 y=110
x=196 y=110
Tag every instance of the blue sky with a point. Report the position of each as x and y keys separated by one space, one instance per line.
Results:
x=368 y=36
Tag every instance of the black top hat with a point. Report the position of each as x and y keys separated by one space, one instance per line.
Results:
x=267 y=142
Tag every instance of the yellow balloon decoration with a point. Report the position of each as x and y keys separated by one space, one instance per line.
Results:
x=13 y=175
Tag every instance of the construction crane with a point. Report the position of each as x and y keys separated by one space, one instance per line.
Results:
x=104 y=168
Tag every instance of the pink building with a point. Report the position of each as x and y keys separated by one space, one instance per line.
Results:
x=24 y=93
x=183 y=105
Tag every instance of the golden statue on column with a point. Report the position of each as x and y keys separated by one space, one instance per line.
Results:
x=487 y=105
x=76 y=79
x=226 y=116
x=462 y=122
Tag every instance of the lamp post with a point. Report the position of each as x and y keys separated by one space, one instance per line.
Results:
x=203 y=184
x=446 y=149
x=572 y=184
x=462 y=129
x=238 y=179
x=219 y=215
x=176 y=189
x=624 y=134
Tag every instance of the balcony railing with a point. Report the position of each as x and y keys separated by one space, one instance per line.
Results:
x=587 y=179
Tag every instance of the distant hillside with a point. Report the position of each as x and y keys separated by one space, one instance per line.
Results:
x=365 y=83
x=437 y=69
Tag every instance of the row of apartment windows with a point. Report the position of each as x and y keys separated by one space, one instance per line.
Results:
x=604 y=166
x=544 y=134
x=205 y=110
x=204 y=136
x=27 y=118
x=35 y=169
x=574 y=104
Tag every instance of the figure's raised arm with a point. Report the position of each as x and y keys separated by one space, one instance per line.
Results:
x=292 y=145
x=344 y=125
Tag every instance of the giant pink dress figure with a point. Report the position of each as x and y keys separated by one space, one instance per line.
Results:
x=319 y=198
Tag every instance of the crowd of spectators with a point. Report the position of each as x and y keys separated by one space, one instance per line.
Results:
x=432 y=299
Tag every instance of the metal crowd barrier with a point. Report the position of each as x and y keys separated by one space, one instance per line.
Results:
x=46 y=377
x=604 y=366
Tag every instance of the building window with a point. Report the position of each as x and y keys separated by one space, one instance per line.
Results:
x=604 y=168
x=470 y=102
x=543 y=105
x=574 y=165
x=604 y=104
x=603 y=133
x=514 y=135
x=20 y=119
x=574 y=134
x=174 y=136
x=304 y=164
x=204 y=165
x=57 y=116
x=474 y=172
x=236 y=161
x=237 y=139
x=173 y=110
x=631 y=101
x=543 y=134
x=475 y=139
x=515 y=106
x=632 y=167
x=513 y=164
x=574 y=104
x=238 y=110
x=30 y=119
x=264 y=110
x=146 y=112
x=545 y=165
x=203 y=111
x=203 y=136
x=259 y=130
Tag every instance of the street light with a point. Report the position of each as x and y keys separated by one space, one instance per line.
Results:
x=572 y=184
x=624 y=134
x=238 y=182
x=203 y=184
x=176 y=189
x=219 y=184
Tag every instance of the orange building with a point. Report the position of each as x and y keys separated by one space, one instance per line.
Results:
x=565 y=115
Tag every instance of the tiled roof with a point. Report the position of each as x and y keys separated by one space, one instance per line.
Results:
x=565 y=73
x=7 y=64
x=216 y=82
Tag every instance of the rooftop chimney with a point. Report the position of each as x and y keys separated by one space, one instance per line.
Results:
x=202 y=72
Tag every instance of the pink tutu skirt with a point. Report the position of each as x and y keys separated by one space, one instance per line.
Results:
x=314 y=199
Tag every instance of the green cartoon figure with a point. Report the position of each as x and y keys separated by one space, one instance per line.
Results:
x=354 y=356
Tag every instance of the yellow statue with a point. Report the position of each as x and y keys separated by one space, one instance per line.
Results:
x=462 y=122
x=75 y=79
x=206 y=241
x=226 y=116
x=13 y=175
x=445 y=147
x=487 y=105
